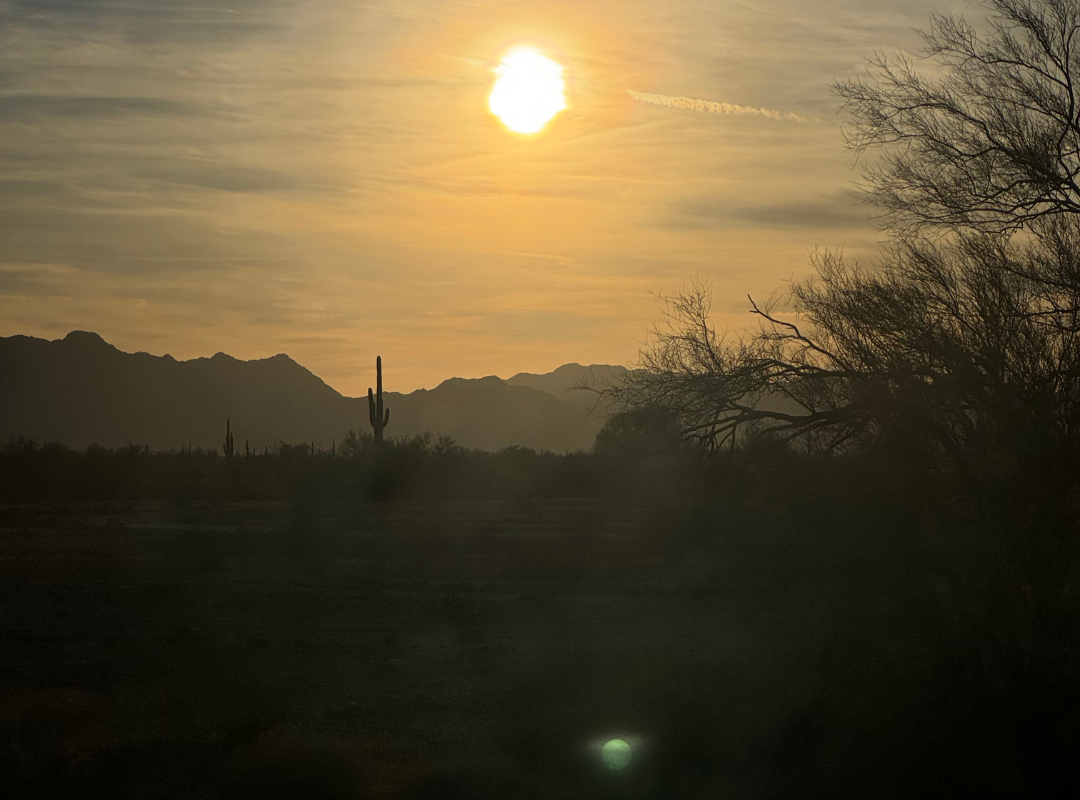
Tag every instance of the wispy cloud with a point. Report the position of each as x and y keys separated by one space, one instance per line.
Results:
x=710 y=107
x=838 y=211
x=20 y=107
x=472 y=62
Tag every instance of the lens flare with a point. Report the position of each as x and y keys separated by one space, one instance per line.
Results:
x=616 y=754
x=528 y=91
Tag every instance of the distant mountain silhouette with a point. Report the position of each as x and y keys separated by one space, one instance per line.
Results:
x=562 y=382
x=82 y=390
x=489 y=413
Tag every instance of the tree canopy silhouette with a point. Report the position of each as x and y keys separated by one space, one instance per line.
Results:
x=956 y=359
x=991 y=139
x=966 y=341
x=971 y=345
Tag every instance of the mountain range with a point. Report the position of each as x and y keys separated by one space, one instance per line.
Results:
x=82 y=390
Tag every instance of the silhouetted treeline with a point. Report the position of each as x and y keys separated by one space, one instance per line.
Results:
x=638 y=454
x=408 y=468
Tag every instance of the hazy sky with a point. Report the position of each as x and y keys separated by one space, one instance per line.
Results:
x=319 y=178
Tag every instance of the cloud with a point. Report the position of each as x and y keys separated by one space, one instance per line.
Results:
x=149 y=21
x=482 y=63
x=710 y=107
x=19 y=190
x=839 y=211
x=835 y=213
x=224 y=177
x=130 y=241
x=21 y=107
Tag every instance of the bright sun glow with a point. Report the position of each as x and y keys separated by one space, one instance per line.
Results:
x=528 y=91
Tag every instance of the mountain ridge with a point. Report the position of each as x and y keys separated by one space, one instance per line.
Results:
x=572 y=380
x=81 y=390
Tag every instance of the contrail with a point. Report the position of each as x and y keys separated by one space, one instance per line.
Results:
x=710 y=107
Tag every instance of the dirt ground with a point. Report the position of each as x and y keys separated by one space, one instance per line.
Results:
x=434 y=650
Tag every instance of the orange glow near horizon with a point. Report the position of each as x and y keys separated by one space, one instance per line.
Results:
x=372 y=194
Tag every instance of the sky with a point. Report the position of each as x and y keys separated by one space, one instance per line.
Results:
x=323 y=178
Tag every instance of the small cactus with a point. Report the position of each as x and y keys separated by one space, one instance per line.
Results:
x=379 y=417
x=228 y=440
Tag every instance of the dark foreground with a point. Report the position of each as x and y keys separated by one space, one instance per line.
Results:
x=465 y=650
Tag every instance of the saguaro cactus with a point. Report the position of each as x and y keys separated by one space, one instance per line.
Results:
x=228 y=439
x=379 y=416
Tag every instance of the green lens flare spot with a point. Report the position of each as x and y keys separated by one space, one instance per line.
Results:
x=616 y=754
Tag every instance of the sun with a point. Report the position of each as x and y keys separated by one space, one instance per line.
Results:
x=528 y=91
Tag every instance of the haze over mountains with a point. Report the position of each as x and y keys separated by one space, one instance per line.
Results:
x=81 y=390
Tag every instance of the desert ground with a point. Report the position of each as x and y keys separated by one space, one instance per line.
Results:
x=382 y=650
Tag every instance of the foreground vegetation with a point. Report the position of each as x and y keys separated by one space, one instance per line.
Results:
x=786 y=625
x=624 y=463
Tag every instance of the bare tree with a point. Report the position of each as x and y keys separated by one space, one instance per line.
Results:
x=992 y=140
x=966 y=352
x=974 y=343
x=964 y=340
